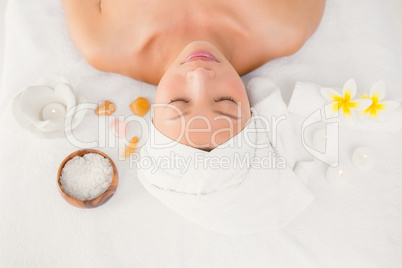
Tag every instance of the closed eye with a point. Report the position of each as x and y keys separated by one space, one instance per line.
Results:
x=223 y=98
x=179 y=99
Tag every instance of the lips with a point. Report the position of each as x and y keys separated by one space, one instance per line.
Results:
x=201 y=55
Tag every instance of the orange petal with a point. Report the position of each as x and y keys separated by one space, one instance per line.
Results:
x=105 y=108
x=130 y=148
x=140 y=106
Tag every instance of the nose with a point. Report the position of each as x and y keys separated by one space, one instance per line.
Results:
x=199 y=80
x=200 y=74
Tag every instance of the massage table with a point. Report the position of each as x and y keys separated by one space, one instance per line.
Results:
x=358 y=225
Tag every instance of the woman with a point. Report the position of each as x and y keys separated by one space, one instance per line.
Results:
x=194 y=51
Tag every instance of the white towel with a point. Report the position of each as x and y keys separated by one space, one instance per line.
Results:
x=253 y=189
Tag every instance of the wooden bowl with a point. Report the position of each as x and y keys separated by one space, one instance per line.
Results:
x=98 y=201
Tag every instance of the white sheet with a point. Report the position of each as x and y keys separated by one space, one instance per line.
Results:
x=359 y=225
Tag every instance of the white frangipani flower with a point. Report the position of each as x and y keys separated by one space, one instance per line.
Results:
x=376 y=95
x=344 y=103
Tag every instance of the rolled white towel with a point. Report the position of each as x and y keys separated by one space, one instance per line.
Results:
x=252 y=188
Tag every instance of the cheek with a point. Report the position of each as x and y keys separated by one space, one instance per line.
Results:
x=169 y=87
x=232 y=82
x=172 y=130
x=239 y=93
x=237 y=90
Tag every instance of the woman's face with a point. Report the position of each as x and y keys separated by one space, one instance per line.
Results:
x=201 y=100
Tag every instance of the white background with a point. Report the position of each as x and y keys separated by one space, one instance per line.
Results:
x=395 y=7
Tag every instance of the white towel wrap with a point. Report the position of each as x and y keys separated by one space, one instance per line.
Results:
x=252 y=190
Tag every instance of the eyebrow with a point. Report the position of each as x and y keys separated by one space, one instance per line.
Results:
x=225 y=114
x=215 y=111
x=178 y=116
x=224 y=98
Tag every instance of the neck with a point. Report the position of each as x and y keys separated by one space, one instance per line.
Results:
x=217 y=41
x=224 y=33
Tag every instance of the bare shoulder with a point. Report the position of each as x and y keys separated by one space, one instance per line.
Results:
x=93 y=32
x=307 y=15
x=289 y=23
x=299 y=13
x=83 y=19
x=311 y=12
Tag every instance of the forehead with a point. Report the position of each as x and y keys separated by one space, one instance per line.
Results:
x=201 y=131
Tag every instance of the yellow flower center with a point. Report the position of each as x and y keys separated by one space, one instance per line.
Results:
x=373 y=109
x=344 y=102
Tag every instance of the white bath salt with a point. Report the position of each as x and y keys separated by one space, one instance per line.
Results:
x=86 y=177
